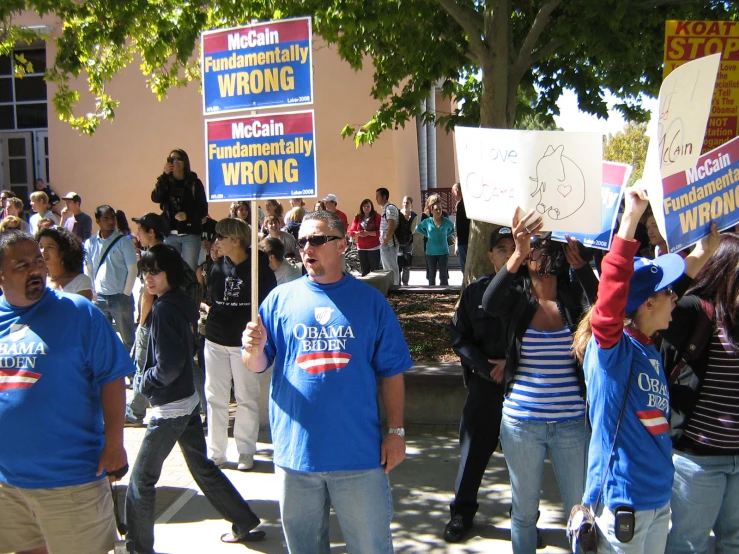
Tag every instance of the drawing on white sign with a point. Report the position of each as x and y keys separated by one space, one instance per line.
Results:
x=558 y=174
x=560 y=185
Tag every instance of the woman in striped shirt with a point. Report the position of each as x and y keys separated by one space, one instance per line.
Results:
x=705 y=493
x=543 y=410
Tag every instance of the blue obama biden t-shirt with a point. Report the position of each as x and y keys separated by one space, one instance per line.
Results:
x=330 y=344
x=54 y=357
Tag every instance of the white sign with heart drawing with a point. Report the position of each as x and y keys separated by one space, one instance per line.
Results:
x=557 y=174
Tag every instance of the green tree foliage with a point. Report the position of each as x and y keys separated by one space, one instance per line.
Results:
x=630 y=147
x=483 y=53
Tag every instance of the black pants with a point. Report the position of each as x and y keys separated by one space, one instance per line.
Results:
x=369 y=260
x=478 y=439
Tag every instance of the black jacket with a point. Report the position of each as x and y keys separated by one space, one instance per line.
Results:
x=684 y=398
x=477 y=336
x=169 y=373
x=187 y=195
x=229 y=288
x=505 y=298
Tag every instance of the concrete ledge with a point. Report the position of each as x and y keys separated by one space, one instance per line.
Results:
x=434 y=394
x=381 y=280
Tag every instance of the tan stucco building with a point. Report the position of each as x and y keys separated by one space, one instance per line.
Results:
x=120 y=163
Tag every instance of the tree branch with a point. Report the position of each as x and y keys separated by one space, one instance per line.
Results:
x=537 y=28
x=545 y=50
x=472 y=23
x=525 y=54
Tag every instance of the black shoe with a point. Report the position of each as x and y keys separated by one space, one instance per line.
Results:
x=456 y=529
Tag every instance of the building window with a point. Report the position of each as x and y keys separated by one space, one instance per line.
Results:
x=23 y=101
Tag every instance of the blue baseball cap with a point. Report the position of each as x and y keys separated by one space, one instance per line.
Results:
x=652 y=276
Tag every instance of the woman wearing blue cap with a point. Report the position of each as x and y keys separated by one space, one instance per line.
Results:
x=630 y=471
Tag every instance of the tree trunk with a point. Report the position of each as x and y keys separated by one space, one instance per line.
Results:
x=493 y=113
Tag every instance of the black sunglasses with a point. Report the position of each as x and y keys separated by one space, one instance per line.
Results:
x=173 y=159
x=669 y=291
x=219 y=236
x=151 y=271
x=316 y=240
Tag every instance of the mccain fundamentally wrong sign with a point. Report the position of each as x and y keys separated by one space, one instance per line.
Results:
x=265 y=156
x=257 y=66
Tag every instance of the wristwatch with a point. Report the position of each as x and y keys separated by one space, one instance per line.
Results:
x=400 y=431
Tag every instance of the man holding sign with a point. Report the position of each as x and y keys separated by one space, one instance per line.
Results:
x=328 y=356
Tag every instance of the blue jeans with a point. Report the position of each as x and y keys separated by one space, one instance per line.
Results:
x=705 y=497
x=119 y=307
x=160 y=438
x=439 y=263
x=525 y=445
x=187 y=245
x=650 y=532
x=462 y=254
x=389 y=257
x=361 y=500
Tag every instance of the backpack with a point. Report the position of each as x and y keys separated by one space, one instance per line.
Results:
x=403 y=232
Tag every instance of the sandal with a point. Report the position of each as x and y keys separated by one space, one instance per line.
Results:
x=251 y=536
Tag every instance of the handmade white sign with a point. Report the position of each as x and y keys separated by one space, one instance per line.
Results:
x=558 y=174
x=677 y=130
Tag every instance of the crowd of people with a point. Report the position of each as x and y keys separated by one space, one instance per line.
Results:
x=626 y=380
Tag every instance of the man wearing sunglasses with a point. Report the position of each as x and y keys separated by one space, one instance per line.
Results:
x=331 y=337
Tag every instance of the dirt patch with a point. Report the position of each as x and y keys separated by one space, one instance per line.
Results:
x=425 y=320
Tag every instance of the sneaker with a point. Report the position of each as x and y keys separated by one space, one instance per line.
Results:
x=456 y=529
x=220 y=462
x=133 y=421
x=246 y=462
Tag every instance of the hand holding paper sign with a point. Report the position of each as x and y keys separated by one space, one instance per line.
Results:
x=523 y=229
x=676 y=133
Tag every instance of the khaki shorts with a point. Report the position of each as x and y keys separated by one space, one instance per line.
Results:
x=69 y=520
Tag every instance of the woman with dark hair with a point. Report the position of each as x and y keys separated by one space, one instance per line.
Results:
x=544 y=406
x=167 y=382
x=705 y=406
x=273 y=207
x=64 y=257
x=240 y=210
x=181 y=196
x=320 y=206
x=630 y=470
x=121 y=224
x=365 y=230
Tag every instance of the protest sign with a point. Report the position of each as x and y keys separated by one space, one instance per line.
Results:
x=265 y=156
x=707 y=193
x=677 y=136
x=615 y=177
x=689 y=40
x=558 y=174
x=257 y=66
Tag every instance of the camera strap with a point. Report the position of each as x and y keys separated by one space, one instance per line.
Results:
x=615 y=436
x=120 y=525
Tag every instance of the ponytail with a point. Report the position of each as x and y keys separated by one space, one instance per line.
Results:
x=582 y=336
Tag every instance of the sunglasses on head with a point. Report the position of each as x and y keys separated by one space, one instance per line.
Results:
x=316 y=240
x=173 y=159
x=153 y=272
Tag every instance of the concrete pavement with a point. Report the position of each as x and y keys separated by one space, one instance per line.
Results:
x=422 y=490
